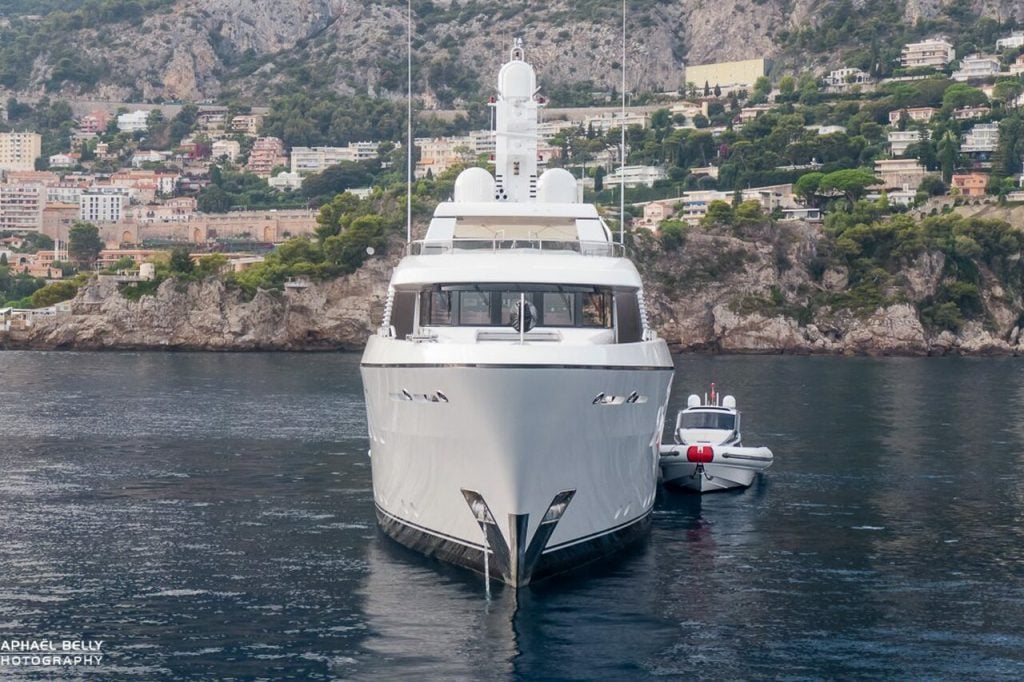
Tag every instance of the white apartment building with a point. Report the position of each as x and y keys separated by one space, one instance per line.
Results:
x=21 y=207
x=976 y=67
x=227 y=148
x=981 y=139
x=19 y=151
x=133 y=122
x=309 y=160
x=934 y=53
x=840 y=79
x=103 y=205
x=602 y=123
x=139 y=159
x=1012 y=42
x=634 y=176
x=64 y=193
x=900 y=173
x=285 y=180
x=900 y=140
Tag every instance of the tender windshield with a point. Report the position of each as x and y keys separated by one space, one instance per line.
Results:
x=492 y=305
x=709 y=420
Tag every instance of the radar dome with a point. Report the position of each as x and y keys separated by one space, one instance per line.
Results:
x=693 y=400
x=557 y=186
x=474 y=185
x=517 y=79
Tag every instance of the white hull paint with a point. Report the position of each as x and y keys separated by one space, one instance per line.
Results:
x=681 y=473
x=518 y=433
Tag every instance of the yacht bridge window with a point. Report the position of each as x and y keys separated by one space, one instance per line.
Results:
x=493 y=305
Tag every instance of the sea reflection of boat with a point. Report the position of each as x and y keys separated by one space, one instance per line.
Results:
x=708 y=452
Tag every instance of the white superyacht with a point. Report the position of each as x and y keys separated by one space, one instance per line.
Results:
x=515 y=395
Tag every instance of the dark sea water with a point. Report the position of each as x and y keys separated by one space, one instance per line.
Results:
x=210 y=517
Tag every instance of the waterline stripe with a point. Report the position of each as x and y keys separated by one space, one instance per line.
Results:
x=618 y=368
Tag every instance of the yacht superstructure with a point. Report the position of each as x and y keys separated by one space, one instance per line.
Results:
x=515 y=394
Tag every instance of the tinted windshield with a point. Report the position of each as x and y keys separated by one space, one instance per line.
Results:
x=492 y=305
x=709 y=420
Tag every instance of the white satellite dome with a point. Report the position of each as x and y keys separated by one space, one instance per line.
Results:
x=474 y=185
x=557 y=186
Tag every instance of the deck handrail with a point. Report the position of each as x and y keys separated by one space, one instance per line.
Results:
x=428 y=247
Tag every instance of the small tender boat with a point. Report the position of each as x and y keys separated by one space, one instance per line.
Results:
x=708 y=453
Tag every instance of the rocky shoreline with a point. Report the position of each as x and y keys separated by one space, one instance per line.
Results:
x=342 y=314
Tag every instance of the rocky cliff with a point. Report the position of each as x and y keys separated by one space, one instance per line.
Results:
x=769 y=292
x=198 y=49
x=208 y=315
x=718 y=292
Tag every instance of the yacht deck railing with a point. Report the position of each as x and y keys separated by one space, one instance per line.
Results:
x=427 y=247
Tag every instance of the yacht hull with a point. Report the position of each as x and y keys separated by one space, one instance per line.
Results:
x=515 y=459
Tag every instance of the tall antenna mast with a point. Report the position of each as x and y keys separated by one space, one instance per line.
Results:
x=408 y=123
x=622 y=128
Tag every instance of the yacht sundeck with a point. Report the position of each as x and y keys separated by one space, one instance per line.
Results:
x=515 y=393
x=708 y=452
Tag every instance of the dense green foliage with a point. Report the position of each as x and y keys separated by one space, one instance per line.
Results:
x=84 y=244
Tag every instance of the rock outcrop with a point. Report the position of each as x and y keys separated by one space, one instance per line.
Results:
x=208 y=315
x=721 y=292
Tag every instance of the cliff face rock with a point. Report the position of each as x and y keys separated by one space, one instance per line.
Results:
x=740 y=290
x=200 y=48
x=207 y=315
x=752 y=294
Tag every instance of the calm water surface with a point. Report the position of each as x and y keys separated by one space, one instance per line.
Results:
x=210 y=516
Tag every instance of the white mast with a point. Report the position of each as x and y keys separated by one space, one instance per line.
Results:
x=622 y=127
x=408 y=123
x=515 y=143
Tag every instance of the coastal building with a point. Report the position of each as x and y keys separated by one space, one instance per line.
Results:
x=977 y=67
x=610 y=120
x=229 y=149
x=916 y=114
x=176 y=210
x=285 y=180
x=841 y=80
x=69 y=160
x=93 y=123
x=102 y=204
x=969 y=112
x=21 y=207
x=141 y=158
x=1017 y=67
x=655 y=213
x=133 y=122
x=748 y=114
x=266 y=154
x=934 y=53
x=900 y=140
x=309 y=160
x=19 y=151
x=212 y=117
x=1013 y=41
x=635 y=176
x=971 y=185
x=899 y=173
x=247 y=124
x=983 y=138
